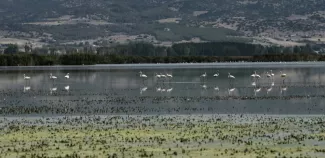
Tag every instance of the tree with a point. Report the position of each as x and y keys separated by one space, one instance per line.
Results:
x=171 y=52
x=288 y=50
x=296 y=49
x=11 y=49
x=307 y=49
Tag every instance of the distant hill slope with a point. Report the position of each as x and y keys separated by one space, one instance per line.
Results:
x=64 y=20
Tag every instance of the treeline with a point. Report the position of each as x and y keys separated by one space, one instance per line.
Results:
x=181 y=49
x=203 y=49
x=90 y=59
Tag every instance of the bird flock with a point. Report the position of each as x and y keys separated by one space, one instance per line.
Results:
x=162 y=77
x=269 y=75
x=27 y=87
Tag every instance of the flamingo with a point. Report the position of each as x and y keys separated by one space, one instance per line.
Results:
x=230 y=76
x=26 y=77
x=255 y=75
x=217 y=74
x=169 y=75
x=158 y=89
x=67 y=88
x=67 y=76
x=170 y=90
x=143 y=76
x=272 y=74
x=268 y=75
x=216 y=88
x=204 y=86
x=283 y=75
x=157 y=75
x=162 y=75
x=52 y=77
x=204 y=75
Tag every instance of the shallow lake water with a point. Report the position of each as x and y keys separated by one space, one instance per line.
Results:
x=118 y=89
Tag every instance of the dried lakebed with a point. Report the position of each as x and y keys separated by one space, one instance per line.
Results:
x=164 y=135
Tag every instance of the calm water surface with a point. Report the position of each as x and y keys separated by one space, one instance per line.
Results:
x=120 y=90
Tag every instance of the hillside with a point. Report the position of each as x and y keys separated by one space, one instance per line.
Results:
x=157 y=21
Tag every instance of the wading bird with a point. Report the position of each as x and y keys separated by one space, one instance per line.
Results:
x=67 y=76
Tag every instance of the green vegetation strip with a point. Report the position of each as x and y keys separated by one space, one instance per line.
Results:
x=161 y=136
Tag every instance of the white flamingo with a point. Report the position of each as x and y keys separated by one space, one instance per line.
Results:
x=169 y=75
x=26 y=77
x=52 y=77
x=217 y=74
x=143 y=76
x=255 y=75
x=67 y=76
x=157 y=75
x=283 y=75
x=162 y=75
x=268 y=75
x=170 y=90
x=272 y=74
x=230 y=76
x=204 y=75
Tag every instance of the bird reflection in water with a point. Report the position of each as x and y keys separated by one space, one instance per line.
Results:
x=169 y=89
x=231 y=91
x=257 y=90
x=53 y=89
x=143 y=89
x=26 y=88
x=283 y=89
x=67 y=88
